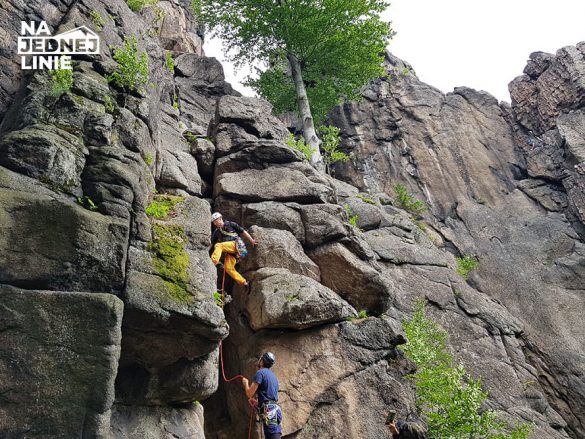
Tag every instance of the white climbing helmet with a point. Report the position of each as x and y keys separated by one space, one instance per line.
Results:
x=215 y=216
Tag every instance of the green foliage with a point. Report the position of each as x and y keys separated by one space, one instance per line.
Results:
x=466 y=265
x=363 y=314
x=138 y=5
x=301 y=146
x=189 y=136
x=329 y=146
x=163 y=205
x=109 y=104
x=218 y=299
x=62 y=81
x=292 y=297
x=338 y=44
x=176 y=102
x=159 y=15
x=87 y=203
x=407 y=201
x=148 y=159
x=97 y=19
x=170 y=259
x=132 y=70
x=366 y=199
x=170 y=63
x=351 y=215
x=449 y=399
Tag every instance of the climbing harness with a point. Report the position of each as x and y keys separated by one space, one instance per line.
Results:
x=252 y=402
x=240 y=244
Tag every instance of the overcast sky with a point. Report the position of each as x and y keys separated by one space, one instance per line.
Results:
x=478 y=44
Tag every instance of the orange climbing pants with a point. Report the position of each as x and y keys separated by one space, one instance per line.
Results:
x=230 y=250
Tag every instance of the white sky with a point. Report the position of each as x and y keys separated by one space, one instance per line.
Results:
x=478 y=44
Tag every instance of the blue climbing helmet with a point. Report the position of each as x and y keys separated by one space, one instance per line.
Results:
x=268 y=359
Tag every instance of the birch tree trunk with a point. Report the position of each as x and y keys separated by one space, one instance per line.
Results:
x=309 y=132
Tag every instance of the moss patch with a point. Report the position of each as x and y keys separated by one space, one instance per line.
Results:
x=171 y=259
x=163 y=205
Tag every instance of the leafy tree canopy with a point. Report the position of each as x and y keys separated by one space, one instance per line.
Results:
x=338 y=46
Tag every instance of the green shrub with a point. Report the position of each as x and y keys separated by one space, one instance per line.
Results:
x=138 y=5
x=466 y=265
x=449 y=399
x=170 y=63
x=148 y=159
x=175 y=102
x=407 y=202
x=163 y=205
x=97 y=19
x=62 y=81
x=218 y=299
x=329 y=146
x=351 y=215
x=132 y=70
x=301 y=146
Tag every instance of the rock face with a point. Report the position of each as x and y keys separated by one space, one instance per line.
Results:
x=503 y=184
x=68 y=346
x=105 y=276
x=78 y=170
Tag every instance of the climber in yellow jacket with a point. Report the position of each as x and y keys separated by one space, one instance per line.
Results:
x=225 y=240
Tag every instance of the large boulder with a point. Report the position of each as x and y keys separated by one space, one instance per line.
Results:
x=143 y=422
x=355 y=280
x=278 y=249
x=56 y=244
x=403 y=249
x=45 y=152
x=274 y=215
x=280 y=299
x=324 y=223
x=241 y=119
x=58 y=360
x=276 y=183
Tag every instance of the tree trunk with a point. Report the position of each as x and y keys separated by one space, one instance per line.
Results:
x=309 y=132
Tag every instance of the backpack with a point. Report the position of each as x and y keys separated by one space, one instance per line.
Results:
x=241 y=247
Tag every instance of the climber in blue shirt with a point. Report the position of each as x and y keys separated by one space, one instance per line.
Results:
x=265 y=386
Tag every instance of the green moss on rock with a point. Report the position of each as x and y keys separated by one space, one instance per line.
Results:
x=163 y=205
x=170 y=259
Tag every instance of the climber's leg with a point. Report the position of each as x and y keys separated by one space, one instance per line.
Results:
x=219 y=248
x=230 y=268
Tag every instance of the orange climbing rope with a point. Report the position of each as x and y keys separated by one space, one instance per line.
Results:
x=227 y=380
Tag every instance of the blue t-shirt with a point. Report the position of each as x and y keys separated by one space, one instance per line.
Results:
x=268 y=391
x=267 y=386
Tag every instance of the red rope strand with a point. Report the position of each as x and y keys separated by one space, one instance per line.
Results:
x=252 y=407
